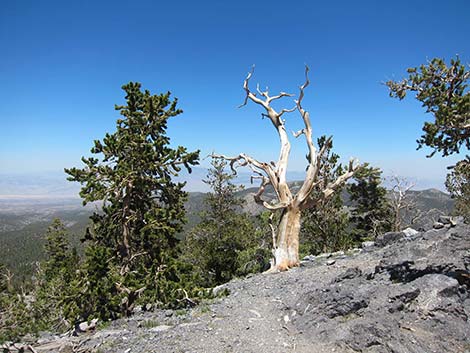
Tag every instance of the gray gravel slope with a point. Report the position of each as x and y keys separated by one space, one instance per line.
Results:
x=410 y=295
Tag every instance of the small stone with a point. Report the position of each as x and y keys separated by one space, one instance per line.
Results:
x=309 y=258
x=409 y=232
x=168 y=313
x=189 y=324
x=367 y=244
x=326 y=254
x=330 y=262
x=438 y=225
x=160 y=328
x=83 y=326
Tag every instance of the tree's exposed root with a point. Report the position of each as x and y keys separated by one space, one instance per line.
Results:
x=281 y=267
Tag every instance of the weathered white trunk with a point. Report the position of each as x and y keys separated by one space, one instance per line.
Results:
x=286 y=237
x=286 y=250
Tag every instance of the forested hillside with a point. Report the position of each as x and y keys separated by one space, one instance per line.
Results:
x=25 y=223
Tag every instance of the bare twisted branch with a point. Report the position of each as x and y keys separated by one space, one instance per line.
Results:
x=269 y=177
x=352 y=169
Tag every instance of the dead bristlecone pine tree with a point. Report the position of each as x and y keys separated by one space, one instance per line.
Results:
x=286 y=231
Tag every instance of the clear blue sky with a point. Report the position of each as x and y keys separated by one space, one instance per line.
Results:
x=63 y=62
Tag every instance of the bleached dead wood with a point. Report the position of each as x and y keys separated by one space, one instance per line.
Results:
x=286 y=235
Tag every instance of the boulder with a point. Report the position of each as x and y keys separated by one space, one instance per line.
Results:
x=410 y=232
x=450 y=220
x=389 y=238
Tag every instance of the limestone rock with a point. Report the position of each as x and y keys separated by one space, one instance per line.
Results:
x=160 y=328
x=438 y=225
x=367 y=244
x=87 y=326
x=309 y=258
x=389 y=238
x=410 y=232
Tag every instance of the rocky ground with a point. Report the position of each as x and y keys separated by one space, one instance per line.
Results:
x=407 y=293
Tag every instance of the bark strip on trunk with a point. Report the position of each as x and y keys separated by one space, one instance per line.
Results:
x=286 y=252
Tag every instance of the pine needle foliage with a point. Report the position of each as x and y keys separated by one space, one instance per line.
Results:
x=227 y=242
x=443 y=91
x=371 y=213
x=458 y=184
x=131 y=245
x=55 y=296
x=325 y=226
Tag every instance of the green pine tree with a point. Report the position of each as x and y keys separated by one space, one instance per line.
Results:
x=55 y=305
x=226 y=242
x=16 y=317
x=61 y=258
x=443 y=91
x=458 y=184
x=5 y=279
x=371 y=213
x=325 y=226
x=132 y=243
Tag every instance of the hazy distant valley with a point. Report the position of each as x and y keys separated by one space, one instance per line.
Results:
x=25 y=218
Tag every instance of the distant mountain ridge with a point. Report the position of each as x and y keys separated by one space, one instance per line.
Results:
x=55 y=185
x=24 y=219
x=45 y=208
x=425 y=199
x=431 y=202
